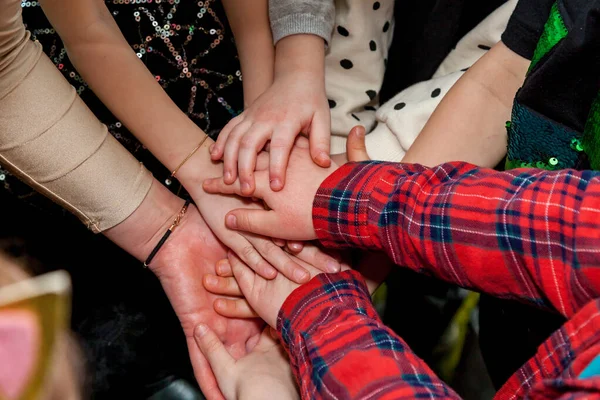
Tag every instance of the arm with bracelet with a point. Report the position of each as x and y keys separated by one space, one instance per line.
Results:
x=117 y=76
x=52 y=141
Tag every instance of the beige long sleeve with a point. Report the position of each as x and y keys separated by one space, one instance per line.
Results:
x=53 y=142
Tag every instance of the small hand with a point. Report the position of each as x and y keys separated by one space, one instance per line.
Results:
x=295 y=103
x=234 y=305
x=264 y=296
x=263 y=373
x=190 y=253
x=287 y=219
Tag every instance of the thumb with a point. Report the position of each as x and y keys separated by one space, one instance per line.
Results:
x=319 y=138
x=213 y=349
x=355 y=145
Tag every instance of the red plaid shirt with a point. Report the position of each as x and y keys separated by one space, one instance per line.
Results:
x=528 y=235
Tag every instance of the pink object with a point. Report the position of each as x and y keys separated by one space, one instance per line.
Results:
x=19 y=349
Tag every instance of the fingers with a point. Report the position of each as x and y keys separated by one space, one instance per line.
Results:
x=224 y=268
x=279 y=153
x=221 y=285
x=244 y=276
x=234 y=308
x=278 y=242
x=250 y=255
x=213 y=349
x=279 y=259
x=203 y=372
x=355 y=145
x=217 y=149
x=220 y=186
x=230 y=153
x=314 y=256
x=251 y=144
x=265 y=223
x=320 y=132
x=295 y=247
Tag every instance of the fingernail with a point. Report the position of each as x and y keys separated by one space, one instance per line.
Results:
x=220 y=269
x=333 y=266
x=300 y=275
x=245 y=187
x=228 y=176
x=296 y=247
x=201 y=330
x=212 y=149
x=231 y=221
x=323 y=156
x=211 y=280
x=276 y=184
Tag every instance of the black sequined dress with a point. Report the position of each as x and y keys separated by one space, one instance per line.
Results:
x=128 y=331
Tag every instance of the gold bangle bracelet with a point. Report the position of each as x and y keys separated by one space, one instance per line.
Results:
x=189 y=156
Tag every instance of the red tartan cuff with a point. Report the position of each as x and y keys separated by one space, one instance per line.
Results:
x=311 y=305
x=341 y=212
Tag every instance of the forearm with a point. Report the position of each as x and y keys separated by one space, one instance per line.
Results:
x=338 y=344
x=525 y=235
x=469 y=123
x=103 y=57
x=249 y=22
x=301 y=54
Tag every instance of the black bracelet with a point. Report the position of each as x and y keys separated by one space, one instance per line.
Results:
x=162 y=240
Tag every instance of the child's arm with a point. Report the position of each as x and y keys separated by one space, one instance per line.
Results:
x=469 y=123
x=249 y=22
x=296 y=103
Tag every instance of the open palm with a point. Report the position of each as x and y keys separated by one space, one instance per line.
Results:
x=190 y=253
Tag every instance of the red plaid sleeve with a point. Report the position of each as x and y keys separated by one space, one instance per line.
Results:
x=529 y=235
x=340 y=349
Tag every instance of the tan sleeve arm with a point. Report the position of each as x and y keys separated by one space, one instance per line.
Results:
x=53 y=142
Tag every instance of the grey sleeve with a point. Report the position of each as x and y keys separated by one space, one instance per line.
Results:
x=292 y=17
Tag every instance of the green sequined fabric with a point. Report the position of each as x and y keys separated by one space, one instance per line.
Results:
x=535 y=141
x=554 y=31
x=591 y=135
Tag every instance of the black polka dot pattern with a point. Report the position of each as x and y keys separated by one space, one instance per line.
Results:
x=376 y=5
x=332 y=103
x=373 y=45
x=386 y=27
x=343 y=31
x=371 y=94
x=346 y=64
x=436 y=92
x=484 y=47
x=399 y=106
x=355 y=117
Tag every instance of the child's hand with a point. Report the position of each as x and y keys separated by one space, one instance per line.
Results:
x=295 y=103
x=263 y=373
x=265 y=297
x=290 y=214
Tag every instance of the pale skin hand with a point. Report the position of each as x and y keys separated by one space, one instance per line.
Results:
x=224 y=284
x=285 y=219
x=103 y=57
x=264 y=373
x=295 y=103
x=189 y=254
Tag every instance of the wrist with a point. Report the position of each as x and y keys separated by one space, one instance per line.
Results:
x=199 y=167
x=139 y=233
x=301 y=54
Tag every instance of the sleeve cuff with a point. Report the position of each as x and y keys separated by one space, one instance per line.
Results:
x=311 y=305
x=350 y=203
x=298 y=24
